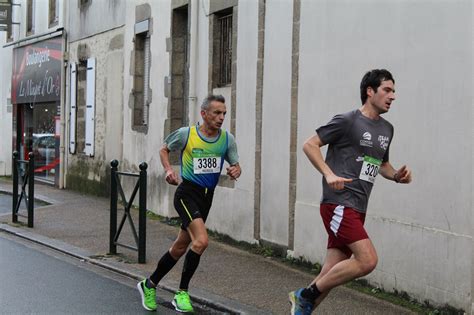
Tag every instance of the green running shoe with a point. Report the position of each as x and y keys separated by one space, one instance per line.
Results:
x=182 y=302
x=148 y=296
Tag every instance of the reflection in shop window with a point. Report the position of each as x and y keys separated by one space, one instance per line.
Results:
x=45 y=140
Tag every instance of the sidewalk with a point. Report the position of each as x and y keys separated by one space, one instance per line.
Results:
x=227 y=278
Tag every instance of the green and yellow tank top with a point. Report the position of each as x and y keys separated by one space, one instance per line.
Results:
x=202 y=160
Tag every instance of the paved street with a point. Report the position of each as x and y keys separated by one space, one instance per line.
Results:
x=41 y=281
x=6 y=203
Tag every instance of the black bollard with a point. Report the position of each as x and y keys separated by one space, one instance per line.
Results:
x=113 y=206
x=31 y=188
x=142 y=214
x=15 y=186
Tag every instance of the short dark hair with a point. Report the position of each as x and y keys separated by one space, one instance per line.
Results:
x=373 y=79
x=210 y=98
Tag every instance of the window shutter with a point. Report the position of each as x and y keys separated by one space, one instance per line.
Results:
x=72 y=107
x=90 y=107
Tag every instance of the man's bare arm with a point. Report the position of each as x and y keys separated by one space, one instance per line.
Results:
x=312 y=149
x=402 y=175
x=171 y=176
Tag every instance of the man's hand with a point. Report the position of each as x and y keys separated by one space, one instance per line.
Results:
x=234 y=171
x=336 y=182
x=403 y=175
x=171 y=177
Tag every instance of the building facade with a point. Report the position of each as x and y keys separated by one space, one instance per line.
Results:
x=137 y=70
x=33 y=51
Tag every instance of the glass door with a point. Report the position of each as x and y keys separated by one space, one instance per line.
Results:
x=46 y=141
x=40 y=134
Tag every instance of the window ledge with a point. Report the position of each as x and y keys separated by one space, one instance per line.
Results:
x=142 y=129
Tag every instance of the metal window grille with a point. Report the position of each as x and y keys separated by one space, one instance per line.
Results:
x=225 y=50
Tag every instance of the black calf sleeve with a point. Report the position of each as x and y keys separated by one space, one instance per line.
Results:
x=191 y=262
x=165 y=264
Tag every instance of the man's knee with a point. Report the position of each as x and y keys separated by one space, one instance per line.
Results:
x=368 y=264
x=200 y=245
x=365 y=255
x=178 y=249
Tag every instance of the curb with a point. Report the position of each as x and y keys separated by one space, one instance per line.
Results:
x=199 y=295
x=39 y=197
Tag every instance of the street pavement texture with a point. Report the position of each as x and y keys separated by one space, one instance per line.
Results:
x=36 y=280
x=228 y=278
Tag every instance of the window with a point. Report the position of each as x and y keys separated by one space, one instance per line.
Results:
x=30 y=17
x=82 y=107
x=221 y=45
x=9 y=33
x=141 y=76
x=90 y=108
x=72 y=107
x=80 y=104
x=224 y=25
x=6 y=18
x=53 y=12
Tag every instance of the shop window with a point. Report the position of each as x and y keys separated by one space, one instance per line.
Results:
x=45 y=140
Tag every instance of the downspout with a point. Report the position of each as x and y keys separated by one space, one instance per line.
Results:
x=64 y=88
x=193 y=62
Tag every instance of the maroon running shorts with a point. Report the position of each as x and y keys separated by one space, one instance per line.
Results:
x=344 y=226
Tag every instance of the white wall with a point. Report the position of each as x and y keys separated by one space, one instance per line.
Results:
x=94 y=18
x=5 y=110
x=137 y=146
x=108 y=117
x=421 y=231
x=276 y=121
x=233 y=213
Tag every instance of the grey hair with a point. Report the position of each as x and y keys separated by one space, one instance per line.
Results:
x=210 y=98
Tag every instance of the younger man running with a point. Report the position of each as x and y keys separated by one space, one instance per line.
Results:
x=358 y=150
x=203 y=151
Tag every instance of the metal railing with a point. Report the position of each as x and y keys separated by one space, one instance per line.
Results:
x=115 y=189
x=27 y=178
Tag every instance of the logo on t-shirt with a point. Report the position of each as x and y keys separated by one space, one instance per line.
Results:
x=384 y=140
x=366 y=141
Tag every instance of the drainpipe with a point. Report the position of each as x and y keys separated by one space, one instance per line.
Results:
x=64 y=88
x=193 y=61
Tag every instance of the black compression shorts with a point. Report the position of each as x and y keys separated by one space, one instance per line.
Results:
x=192 y=201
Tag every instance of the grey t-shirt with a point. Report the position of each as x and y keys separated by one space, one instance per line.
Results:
x=356 y=145
x=176 y=141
